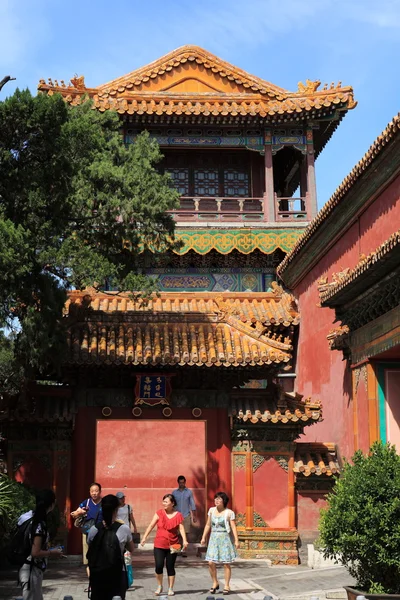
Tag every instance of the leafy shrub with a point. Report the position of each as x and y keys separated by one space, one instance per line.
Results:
x=15 y=499
x=362 y=520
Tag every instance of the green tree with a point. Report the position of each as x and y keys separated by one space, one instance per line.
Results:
x=361 y=525
x=77 y=206
x=15 y=499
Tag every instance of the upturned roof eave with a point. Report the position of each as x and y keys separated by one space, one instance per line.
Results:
x=372 y=269
x=372 y=174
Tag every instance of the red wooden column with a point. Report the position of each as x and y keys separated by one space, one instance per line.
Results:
x=303 y=180
x=291 y=493
x=312 y=208
x=249 y=491
x=269 y=195
x=354 y=391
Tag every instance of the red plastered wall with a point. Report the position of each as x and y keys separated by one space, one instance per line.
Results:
x=270 y=482
x=309 y=506
x=160 y=452
x=322 y=373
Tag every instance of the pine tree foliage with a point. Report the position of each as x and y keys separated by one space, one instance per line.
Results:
x=77 y=206
x=362 y=522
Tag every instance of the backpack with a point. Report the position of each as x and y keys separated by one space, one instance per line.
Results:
x=20 y=544
x=104 y=554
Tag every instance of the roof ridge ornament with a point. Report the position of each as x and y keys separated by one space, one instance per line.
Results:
x=78 y=82
x=225 y=308
x=309 y=87
x=277 y=289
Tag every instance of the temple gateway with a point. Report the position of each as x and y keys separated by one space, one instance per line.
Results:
x=200 y=381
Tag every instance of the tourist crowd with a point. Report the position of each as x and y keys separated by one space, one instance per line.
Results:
x=109 y=532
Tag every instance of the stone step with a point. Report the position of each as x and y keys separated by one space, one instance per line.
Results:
x=335 y=594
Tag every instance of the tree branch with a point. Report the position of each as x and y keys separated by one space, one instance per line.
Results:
x=5 y=80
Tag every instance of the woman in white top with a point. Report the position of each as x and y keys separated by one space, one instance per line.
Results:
x=125 y=513
x=220 y=550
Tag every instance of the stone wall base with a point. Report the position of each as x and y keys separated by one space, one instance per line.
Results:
x=316 y=559
x=280 y=547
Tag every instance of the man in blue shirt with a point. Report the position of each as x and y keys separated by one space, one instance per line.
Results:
x=91 y=507
x=185 y=504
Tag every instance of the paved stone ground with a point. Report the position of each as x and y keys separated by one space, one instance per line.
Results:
x=251 y=580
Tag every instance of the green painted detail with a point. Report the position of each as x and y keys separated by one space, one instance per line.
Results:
x=282 y=462
x=245 y=241
x=240 y=520
x=240 y=462
x=258 y=521
x=381 y=404
x=382 y=398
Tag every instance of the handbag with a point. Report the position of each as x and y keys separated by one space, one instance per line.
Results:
x=128 y=567
x=129 y=574
x=175 y=548
x=136 y=537
x=81 y=519
x=87 y=525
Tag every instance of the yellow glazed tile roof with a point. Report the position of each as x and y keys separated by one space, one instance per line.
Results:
x=367 y=161
x=294 y=409
x=189 y=329
x=203 y=84
x=316 y=459
x=192 y=54
x=347 y=276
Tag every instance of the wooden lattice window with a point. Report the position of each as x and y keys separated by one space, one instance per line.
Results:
x=180 y=180
x=236 y=183
x=206 y=182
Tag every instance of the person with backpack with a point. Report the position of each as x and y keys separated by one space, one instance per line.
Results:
x=125 y=512
x=30 y=543
x=107 y=542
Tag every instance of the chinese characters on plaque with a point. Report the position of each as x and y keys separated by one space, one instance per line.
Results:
x=152 y=389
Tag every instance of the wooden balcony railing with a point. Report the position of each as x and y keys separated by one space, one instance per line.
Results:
x=290 y=209
x=199 y=208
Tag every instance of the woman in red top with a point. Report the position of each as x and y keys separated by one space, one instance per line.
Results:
x=169 y=521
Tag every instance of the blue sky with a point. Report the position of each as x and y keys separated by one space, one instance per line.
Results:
x=286 y=41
